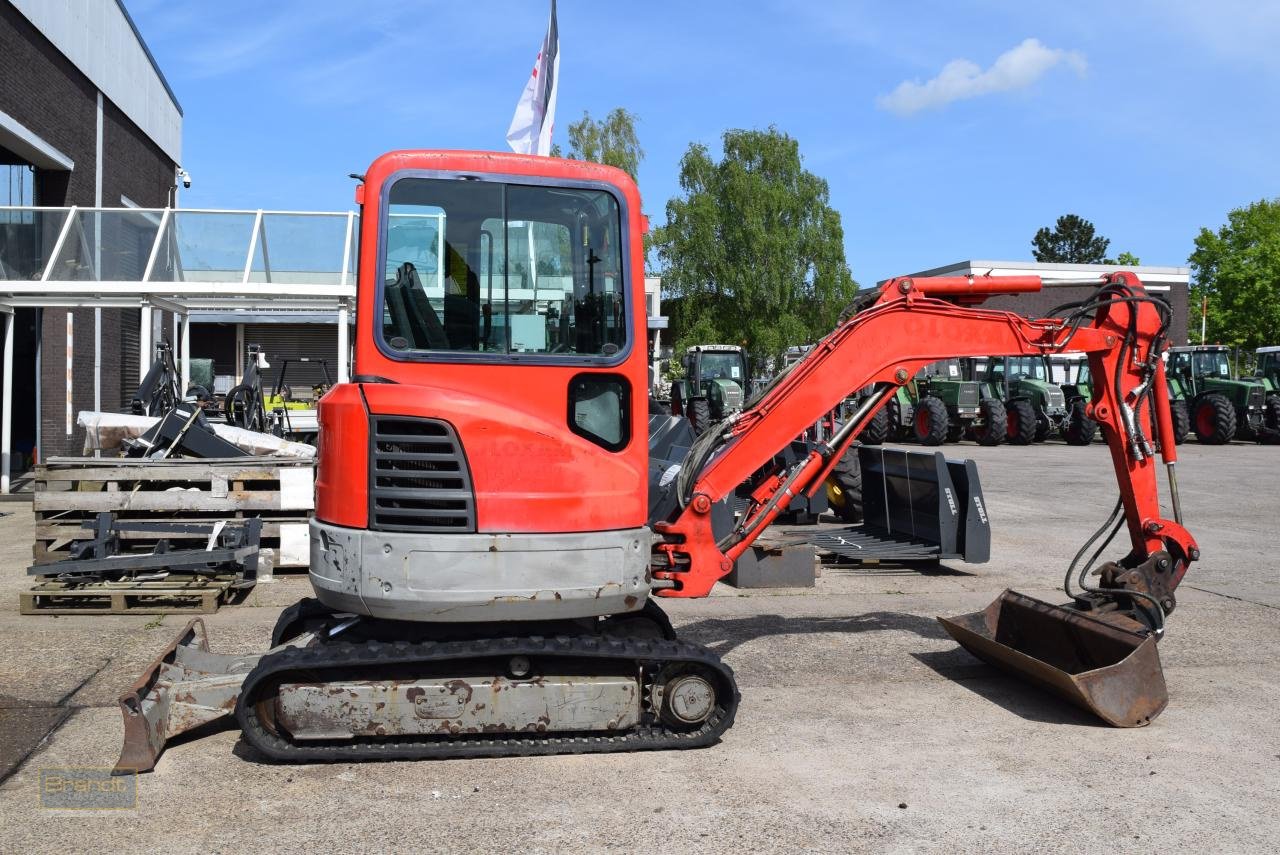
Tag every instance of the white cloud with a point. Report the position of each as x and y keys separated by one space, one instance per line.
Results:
x=959 y=79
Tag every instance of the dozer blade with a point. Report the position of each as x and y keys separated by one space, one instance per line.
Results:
x=185 y=687
x=1110 y=670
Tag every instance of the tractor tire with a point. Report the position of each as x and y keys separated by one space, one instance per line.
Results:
x=677 y=400
x=1270 y=433
x=1079 y=429
x=1271 y=413
x=929 y=422
x=844 y=487
x=658 y=408
x=995 y=423
x=893 y=411
x=1181 y=421
x=877 y=430
x=1021 y=421
x=1044 y=427
x=1214 y=420
x=955 y=432
x=698 y=412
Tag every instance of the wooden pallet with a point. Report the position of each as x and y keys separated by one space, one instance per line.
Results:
x=72 y=490
x=89 y=485
x=194 y=596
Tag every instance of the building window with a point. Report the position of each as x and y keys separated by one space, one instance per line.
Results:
x=17 y=184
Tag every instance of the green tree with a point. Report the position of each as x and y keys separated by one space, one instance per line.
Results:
x=1237 y=268
x=1125 y=259
x=612 y=141
x=1070 y=241
x=752 y=251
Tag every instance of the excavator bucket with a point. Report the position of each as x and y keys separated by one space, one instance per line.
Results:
x=186 y=686
x=1108 y=669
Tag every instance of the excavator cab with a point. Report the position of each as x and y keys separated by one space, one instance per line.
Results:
x=498 y=411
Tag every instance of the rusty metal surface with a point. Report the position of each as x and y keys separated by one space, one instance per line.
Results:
x=453 y=705
x=1105 y=668
x=186 y=686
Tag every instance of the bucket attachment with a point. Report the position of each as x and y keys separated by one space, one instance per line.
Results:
x=1103 y=667
x=185 y=687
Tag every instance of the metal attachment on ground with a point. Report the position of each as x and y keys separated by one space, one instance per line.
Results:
x=1106 y=664
x=184 y=431
x=229 y=548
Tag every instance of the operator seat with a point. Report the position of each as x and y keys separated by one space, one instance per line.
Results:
x=412 y=313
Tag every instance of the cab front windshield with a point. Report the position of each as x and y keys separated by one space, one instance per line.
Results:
x=1212 y=364
x=1018 y=368
x=1203 y=363
x=493 y=268
x=721 y=366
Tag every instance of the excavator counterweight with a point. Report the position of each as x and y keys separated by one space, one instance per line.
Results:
x=492 y=536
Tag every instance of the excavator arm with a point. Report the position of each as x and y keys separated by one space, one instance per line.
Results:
x=909 y=324
x=912 y=323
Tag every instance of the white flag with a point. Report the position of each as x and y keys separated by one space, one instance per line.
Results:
x=535 y=118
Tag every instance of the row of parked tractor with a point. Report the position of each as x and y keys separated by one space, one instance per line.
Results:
x=1017 y=400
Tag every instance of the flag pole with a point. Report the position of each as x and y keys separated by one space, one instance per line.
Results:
x=535 y=115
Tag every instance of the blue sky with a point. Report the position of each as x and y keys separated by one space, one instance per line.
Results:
x=944 y=133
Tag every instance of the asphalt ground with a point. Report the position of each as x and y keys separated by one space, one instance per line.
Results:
x=862 y=726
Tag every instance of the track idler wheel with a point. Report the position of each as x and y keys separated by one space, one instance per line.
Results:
x=684 y=697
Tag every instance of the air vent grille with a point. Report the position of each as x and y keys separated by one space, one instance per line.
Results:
x=418 y=477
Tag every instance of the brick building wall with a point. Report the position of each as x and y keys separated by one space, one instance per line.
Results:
x=45 y=92
x=1038 y=304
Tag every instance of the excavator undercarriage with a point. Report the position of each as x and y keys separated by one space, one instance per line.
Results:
x=336 y=688
x=488 y=574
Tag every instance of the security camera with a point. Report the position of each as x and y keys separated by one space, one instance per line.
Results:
x=186 y=178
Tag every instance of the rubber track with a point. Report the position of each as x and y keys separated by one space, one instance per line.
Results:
x=374 y=655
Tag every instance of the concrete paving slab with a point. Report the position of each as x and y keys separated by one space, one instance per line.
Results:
x=862 y=726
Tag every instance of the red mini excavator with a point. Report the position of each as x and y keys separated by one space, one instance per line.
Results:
x=491 y=538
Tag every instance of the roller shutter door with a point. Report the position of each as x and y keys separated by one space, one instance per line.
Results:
x=130 y=341
x=295 y=341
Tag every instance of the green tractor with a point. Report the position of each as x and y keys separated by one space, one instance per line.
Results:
x=1077 y=387
x=967 y=415
x=715 y=385
x=905 y=418
x=1267 y=371
x=1035 y=406
x=940 y=404
x=1072 y=372
x=1223 y=406
x=1180 y=407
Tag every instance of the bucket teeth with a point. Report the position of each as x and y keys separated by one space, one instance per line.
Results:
x=1105 y=668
